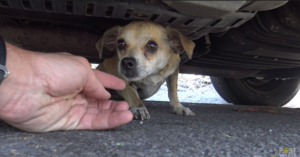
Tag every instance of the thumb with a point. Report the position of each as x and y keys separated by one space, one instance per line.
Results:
x=94 y=88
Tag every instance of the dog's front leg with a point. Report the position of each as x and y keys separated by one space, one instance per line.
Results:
x=174 y=101
x=137 y=107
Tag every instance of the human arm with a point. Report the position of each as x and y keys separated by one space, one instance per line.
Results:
x=58 y=91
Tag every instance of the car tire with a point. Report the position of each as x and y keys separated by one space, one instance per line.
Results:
x=254 y=91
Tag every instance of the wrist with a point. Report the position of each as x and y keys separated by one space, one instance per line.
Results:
x=17 y=61
x=3 y=70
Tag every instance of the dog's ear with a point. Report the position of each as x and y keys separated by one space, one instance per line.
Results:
x=108 y=40
x=180 y=43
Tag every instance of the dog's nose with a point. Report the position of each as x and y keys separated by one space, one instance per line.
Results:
x=128 y=63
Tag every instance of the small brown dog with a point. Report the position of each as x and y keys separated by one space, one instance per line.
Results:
x=147 y=56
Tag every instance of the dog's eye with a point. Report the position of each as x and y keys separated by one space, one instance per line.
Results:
x=152 y=46
x=121 y=44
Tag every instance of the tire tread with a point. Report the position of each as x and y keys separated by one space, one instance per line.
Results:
x=223 y=89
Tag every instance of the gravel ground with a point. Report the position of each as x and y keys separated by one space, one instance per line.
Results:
x=215 y=130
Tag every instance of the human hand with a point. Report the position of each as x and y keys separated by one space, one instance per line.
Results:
x=48 y=92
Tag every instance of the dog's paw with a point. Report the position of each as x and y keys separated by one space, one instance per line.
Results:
x=183 y=111
x=140 y=113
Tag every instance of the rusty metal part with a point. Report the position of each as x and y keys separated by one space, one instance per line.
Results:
x=38 y=37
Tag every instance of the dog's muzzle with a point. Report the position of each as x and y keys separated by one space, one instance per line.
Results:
x=128 y=67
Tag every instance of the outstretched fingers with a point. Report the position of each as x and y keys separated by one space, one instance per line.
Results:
x=97 y=82
x=107 y=104
x=94 y=87
x=104 y=120
x=104 y=115
x=109 y=81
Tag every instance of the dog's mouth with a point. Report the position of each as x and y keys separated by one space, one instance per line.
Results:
x=135 y=74
x=130 y=75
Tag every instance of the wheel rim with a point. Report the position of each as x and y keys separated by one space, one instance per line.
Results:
x=264 y=86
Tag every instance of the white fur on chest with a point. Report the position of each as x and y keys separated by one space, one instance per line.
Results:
x=148 y=86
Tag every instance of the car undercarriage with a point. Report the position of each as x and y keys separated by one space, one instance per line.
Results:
x=235 y=40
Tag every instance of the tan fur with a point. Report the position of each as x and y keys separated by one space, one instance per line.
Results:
x=151 y=69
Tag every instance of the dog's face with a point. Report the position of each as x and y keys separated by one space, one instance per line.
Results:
x=143 y=48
